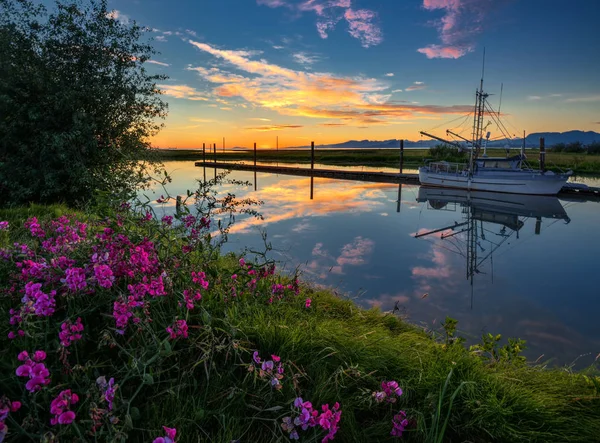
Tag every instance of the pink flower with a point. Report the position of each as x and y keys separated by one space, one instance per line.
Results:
x=70 y=332
x=307 y=303
x=104 y=275
x=169 y=438
x=3 y=225
x=75 y=279
x=60 y=408
x=167 y=220
x=178 y=329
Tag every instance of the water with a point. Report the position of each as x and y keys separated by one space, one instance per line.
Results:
x=515 y=265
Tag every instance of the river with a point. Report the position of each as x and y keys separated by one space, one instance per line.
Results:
x=519 y=266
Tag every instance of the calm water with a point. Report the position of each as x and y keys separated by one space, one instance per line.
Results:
x=516 y=265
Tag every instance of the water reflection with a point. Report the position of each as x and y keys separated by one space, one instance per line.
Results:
x=488 y=220
x=530 y=269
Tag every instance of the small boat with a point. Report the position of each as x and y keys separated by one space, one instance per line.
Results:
x=495 y=174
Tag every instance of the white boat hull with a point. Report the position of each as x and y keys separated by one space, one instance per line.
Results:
x=509 y=181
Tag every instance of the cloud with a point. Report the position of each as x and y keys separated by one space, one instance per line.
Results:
x=118 y=16
x=588 y=98
x=260 y=119
x=192 y=33
x=389 y=74
x=416 y=86
x=304 y=59
x=534 y=97
x=354 y=253
x=182 y=91
x=308 y=94
x=462 y=22
x=277 y=47
x=362 y=23
x=203 y=120
x=154 y=62
x=397 y=90
x=273 y=128
x=160 y=38
x=332 y=124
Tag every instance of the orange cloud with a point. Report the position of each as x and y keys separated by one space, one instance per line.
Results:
x=182 y=91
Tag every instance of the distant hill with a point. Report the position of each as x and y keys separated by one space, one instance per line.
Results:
x=531 y=141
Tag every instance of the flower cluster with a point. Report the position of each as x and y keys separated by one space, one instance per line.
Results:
x=389 y=389
x=308 y=417
x=168 y=438
x=34 y=369
x=61 y=408
x=267 y=369
x=3 y=225
x=190 y=297
x=108 y=390
x=104 y=276
x=70 y=332
x=6 y=407
x=399 y=423
x=179 y=328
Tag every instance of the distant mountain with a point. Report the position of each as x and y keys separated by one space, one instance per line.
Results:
x=531 y=141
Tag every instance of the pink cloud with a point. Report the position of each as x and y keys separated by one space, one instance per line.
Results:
x=362 y=23
x=458 y=28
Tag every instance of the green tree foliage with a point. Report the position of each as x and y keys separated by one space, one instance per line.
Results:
x=77 y=105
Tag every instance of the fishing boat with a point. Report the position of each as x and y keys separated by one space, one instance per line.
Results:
x=495 y=174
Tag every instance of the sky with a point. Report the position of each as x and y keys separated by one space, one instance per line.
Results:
x=328 y=71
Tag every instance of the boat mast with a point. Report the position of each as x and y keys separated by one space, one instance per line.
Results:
x=478 y=119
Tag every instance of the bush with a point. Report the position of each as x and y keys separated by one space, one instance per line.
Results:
x=444 y=152
x=77 y=104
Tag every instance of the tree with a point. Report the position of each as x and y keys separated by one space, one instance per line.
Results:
x=77 y=105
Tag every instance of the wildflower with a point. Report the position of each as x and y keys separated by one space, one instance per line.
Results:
x=307 y=303
x=200 y=278
x=189 y=221
x=169 y=438
x=34 y=227
x=167 y=220
x=60 y=408
x=75 y=279
x=34 y=369
x=178 y=329
x=104 y=275
x=3 y=225
x=256 y=358
x=70 y=332
x=399 y=423
x=389 y=388
x=38 y=302
x=190 y=298
x=108 y=390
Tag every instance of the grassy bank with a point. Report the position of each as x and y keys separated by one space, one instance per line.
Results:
x=413 y=158
x=203 y=376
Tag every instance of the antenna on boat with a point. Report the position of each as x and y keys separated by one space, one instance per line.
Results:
x=500 y=105
x=482 y=71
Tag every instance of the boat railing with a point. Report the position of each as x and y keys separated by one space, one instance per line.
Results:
x=448 y=168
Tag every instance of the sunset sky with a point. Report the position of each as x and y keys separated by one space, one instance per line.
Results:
x=335 y=70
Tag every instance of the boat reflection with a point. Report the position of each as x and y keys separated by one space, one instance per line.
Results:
x=487 y=221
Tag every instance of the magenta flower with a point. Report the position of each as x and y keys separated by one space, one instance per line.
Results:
x=307 y=303
x=167 y=220
x=399 y=423
x=104 y=275
x=36 y=371
x=60 y=408
x=3 y=225
x=75 y=279
x=169 y=438
x=178 y=329
x=70 y=332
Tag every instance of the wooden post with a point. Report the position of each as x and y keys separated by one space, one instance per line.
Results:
x=178 y=204
x=215 y=151
x=255 y=154
x=538 y=225
x=312 y=155
x=401 y=155
x=311 y=186
x=542 y=154
x=204 y=152
x=255 y=182
x=399 y=196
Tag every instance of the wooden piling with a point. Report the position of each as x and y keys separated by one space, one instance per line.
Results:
x=312 y=184
x=542 y=154
x=255 y=154
x=312 y=155
x=401 y=155
x=215 y=151
x=178 y=204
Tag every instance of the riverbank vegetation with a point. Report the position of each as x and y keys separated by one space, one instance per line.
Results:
x=579 y=162
x=115 y=324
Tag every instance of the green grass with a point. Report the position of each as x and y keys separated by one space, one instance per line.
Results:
x=333 y=351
